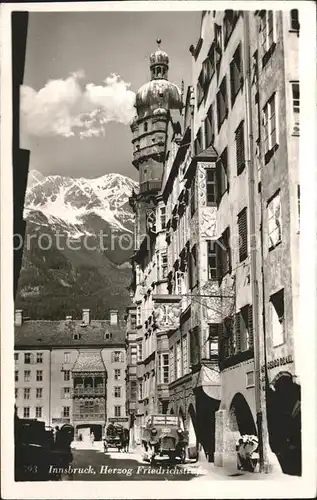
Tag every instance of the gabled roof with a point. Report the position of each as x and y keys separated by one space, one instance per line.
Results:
x=89 y=361
x=208 y=153
x=63 y=333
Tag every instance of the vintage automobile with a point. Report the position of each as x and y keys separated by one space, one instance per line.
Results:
x=113 y=437
x=164 y=437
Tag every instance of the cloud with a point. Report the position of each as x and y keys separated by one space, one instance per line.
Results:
x=63 y=107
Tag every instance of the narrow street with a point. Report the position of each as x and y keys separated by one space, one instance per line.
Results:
x=95 y=465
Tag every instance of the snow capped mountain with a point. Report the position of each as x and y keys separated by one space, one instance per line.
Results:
x=79 y=207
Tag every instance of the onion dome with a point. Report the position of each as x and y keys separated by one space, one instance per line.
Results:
x=134 y=124
x=159 y=93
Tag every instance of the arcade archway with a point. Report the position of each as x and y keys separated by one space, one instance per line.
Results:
x=240 y=416
x=284 y=422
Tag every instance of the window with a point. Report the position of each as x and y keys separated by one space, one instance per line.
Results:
x=269 y=127
x=250 y=379
x=27 y=358
x=243 y=235
x=224 y=254
x=213 y=339
x=195 y=346
x=39 y=357
x=244 y=329
x=236 y=74
x=274 y=221
x=39 y=375
x=139 y=351
x=298 y=207
x=27 y=375
x=66 y=393
x=277 y=317
x=117 y=357
x=209 y=127
x=211 y=193
x=16 y=393
x=296 y=103
x=117 y=391
x=193 y=267
x=140 y=390
x=164 y=264
x=163 y=217
x=145 y=127
x=27 y=393
x=212 y=259
x=16 y=376
x=38 y=412
x=229 y=22
x=227 y=338
x=200 y=89
x=185 y=354
x=294 y=20
x=66 y=375
x=240 y=148
x=117 y=411
x=222 y=103
x=138 y=316
x=164 y=368
x=66 y=357
x=26 y=412
x=16 y=357
x=133 y=390
x=117 y=374
x=172 y=364
x=66 y=411
x=267 y=34
x=218 y=44
x=39 y=393
x=222 y=175
x=193 y=199
x=178 y=360
x=133 y=321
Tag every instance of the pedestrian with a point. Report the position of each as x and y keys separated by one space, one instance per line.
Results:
x=92 y=437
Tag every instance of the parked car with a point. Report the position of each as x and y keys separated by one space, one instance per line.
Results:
x=164 y=437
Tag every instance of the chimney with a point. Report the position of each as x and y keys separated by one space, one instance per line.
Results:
x=113 y=317
x=86 y=318
x=18 y=320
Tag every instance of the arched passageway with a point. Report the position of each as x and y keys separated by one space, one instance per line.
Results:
x=240 y=416
x=284 y=422
x=192 y=436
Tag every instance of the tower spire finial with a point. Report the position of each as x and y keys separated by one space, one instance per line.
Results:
x=158 y=41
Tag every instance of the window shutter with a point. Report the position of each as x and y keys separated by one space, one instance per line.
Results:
x=250 y=327
x=237 y=332
x=243 y=235
x=240 y=148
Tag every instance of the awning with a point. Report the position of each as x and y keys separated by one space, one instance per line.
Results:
x=209 y=379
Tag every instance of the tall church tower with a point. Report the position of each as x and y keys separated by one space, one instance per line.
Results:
x=154 y=100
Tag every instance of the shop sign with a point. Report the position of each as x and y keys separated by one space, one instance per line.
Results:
x=284 y=360
x=118 y=419
x=62 y=420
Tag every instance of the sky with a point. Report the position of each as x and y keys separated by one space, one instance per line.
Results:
x=81 y=72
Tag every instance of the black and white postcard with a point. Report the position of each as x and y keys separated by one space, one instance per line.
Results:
x=158 y=259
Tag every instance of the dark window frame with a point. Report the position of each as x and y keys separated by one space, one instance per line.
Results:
x=222 y=103
x=236 y=74
x=240 y=147
x=243 y=234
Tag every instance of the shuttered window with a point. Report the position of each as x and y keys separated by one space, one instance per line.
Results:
x=243 y=235
x=224 y=254
x=250 y=326
x=222 y=175
x=294 y=20
x=240 y=148
x=212 y=259
x=199 y=142
x=229 y=23
x=236 y=74
x=211 y=191
x=209 y=127
x=237 y=333
x=222 y=103
x=193 y=198
x=213 y=338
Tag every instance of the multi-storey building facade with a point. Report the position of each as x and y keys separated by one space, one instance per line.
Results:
x=71 y=371
x=223 y=235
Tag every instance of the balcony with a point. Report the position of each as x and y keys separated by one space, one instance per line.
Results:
x=89 y=416
x=150 y=186
x=89 y=391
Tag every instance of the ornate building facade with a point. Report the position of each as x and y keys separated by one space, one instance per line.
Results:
x=216 y=275
x=71 y=371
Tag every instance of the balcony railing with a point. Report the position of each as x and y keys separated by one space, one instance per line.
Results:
x=89 y=416
x=88 y=391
